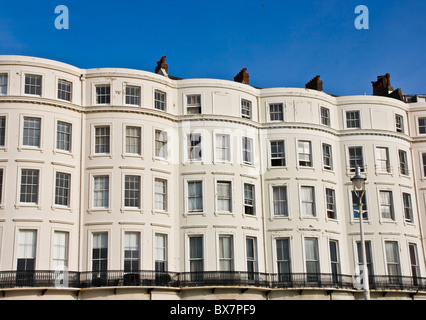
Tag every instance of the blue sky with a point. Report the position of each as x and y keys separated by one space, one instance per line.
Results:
x=281 y=43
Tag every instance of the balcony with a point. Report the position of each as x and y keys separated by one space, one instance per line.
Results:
x=49 y=278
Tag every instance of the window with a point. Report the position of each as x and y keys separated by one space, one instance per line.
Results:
x=3 y=84
x=245 y=109
x=330 y=197
x=196 y=256
x=63 y=136
x=100 y=254
x=382 y=160
x=33 y=84
x=304 y=152
x=29 y=186
x=276 y=112
x=27 y=240
x=247 y=150
x=327 y=157
x=307 y=201
x=195 y=196
x=133 y=140
x=277 y=154
x=133 y=95
x=422 y=125
x=160 y=194
x=279 y=201
x=353 y=119
x=386 y=205
x=249 y=201
x=399 y=123
x=223 y=147
x=368 y=255
x=2 y=131
x=31 y=136
x=60 y=250
x=1 y=186
x=312 y=259
x=414 y=262
x=356 y=158
x=131 y=252
x=403 y=162
x=62 y=189
x=424 y=164
x=102 y=139
x=224 y=196
x=194 y=146
x=334 y=260
x=160 y=252
x=283 y=260
x=251 y=256
x=193 y=104
x=355 y=205
x=325 y=116
x=161 y=144
x=103 y=94
x=101 y=191
x=160 y=100
x=132 y=191
x=408 y=207
x=64 y=90
x=392 y=260
x=226 y=253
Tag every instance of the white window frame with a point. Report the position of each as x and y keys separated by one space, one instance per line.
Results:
x=185 y=103
x=188 y=235
x=124 y=135
x=186 y=196
x=6 y=135
x=407 y=174
x=243 y=183
x=243 y=115
x=412 y=221
x=67 y=248
x=331 y=168
x=133 y=86
x=350 y=171
x=269 y=141
x=274 y=252
x=345 y=113
x=6 y=74
x=187 y=136
x=229 y=147
x=24 y=76
x=328 y=118
x=155 y=90
x=70 y=198
x=268 y=111
x=367 y=203
x=166 y=196
x=21 y=145
x=417 y=119
x=271 y=201
x=314 y=202
x=39 y=202
x=220 y=234
x=93 y=127
x=311 y=154
x=125 y=208
x=318 y=248
x=400 y=271
x=63 y=151
x=378 y=168
x=58 y=80
x=160 y=232
x=95 y=94
x=247 y=163
x=167 y=146
x=232 y=197
x=402 y=128
x=393 y=217
x=336 y=218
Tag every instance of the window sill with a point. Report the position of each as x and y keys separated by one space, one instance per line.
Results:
x=95 y=210
x=100 y=155
x=63 y=208
x=130 y=209
x=64 y=152
x=132 y=155
x=224 y=213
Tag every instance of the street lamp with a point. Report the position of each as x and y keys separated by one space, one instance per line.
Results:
x=358 y=183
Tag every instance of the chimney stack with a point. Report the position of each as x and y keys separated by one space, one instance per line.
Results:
x=161 y=65
x=315 y=84
x=242 y=76
x=382 y=86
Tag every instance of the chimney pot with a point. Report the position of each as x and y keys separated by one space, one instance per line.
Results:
x=242 y=76
x=315 y=84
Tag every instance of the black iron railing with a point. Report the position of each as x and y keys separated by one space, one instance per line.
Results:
x=49 y=278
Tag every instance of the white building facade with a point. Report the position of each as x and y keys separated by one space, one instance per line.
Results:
x=142 y=186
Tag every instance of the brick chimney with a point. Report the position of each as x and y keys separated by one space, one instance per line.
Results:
x=161 y=64
x=242 y=76
x=315 y=84
x=382 y=87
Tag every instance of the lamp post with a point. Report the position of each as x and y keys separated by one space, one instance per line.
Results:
x=358 y=183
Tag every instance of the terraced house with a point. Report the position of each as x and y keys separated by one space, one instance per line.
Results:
x=128 y=184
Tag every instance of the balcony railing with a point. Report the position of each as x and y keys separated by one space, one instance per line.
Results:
x=49 y=278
